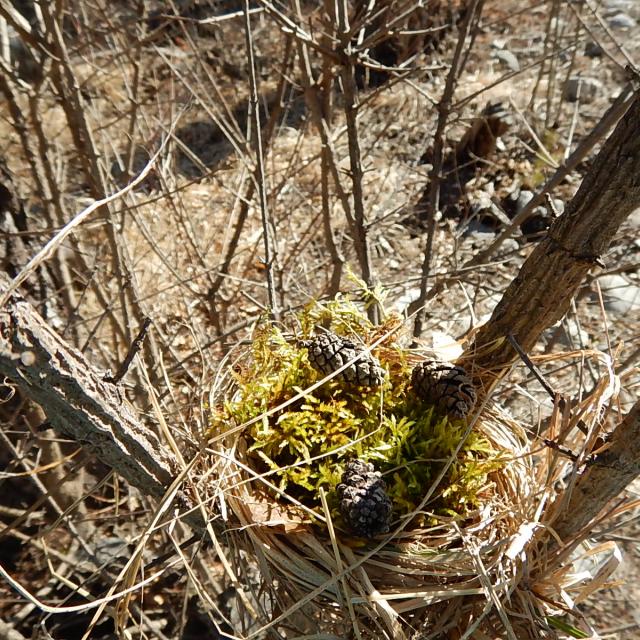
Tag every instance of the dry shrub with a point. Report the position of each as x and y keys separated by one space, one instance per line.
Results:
x=493 y=571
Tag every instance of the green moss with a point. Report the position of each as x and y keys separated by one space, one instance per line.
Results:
x=306 y=445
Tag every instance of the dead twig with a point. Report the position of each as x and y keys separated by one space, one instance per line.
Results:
x=268 y=228
x=359 y=228
x=135 y=347
x=435 y=175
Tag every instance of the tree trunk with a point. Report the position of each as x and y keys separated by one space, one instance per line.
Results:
x=540 y=294
x=76 y=399
x=604 y=478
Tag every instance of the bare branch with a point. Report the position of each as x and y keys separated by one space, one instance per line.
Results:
x=435 y=175
x=260 y=177
x=541 y=292
x=604 y=478
x=77 y=400
x=351 y=108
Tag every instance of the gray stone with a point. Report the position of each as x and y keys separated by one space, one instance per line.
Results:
x=614 y=7
x=593 y=50
x=523 y=200
x=540 y=211
x=568 y=333
x=620 y=295
x=507 y=58
x=632 y=7
x=477 y=230
x=634 y=218
x=498 y=43
x=586 y=89
x=621 y=21
x=508 y=247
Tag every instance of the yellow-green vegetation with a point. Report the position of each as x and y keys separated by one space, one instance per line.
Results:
x=305 y=445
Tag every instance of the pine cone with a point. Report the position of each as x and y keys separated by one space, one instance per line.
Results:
x=445 y=385
x=328 y=352
x=364 y=504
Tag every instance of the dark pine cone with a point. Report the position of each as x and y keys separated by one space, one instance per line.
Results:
x=444 y=385
x=328 y=352
x=364 y=504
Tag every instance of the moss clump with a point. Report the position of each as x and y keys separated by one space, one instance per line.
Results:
x=305 y=445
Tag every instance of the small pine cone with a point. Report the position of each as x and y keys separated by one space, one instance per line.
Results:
x=328 y=352
x=364 y=504
x=444 y=385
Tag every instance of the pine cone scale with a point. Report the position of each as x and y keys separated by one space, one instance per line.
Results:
x=329 y=353
x=365 y=506
x=444 y=385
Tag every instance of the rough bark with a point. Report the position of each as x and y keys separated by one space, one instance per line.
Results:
x=77 y=401
x=604 y=478
x=540 y=294
x=16 y=247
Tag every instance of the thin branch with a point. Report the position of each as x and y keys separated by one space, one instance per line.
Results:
x=351 y=107
x=135 y=347
x=267 y=226
x=435 y=175
x=322 y=120
x=49 y=249
x=321 y=115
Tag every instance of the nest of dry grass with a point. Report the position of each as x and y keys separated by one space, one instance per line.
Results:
x=491 y=570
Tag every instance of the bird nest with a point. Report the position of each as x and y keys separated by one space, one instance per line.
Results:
x=465 y=551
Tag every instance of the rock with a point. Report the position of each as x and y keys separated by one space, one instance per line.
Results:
x=479 y=233
x=634 y=219
x=630 y=7
x=586 y=89
x=508 y=246
x=620 y=295
x=524 y=197
x=593 y=50
x=621 y=21
x=568 y=333
x=507 y=58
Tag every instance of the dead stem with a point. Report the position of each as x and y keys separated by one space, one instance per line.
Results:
x=435 y=175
